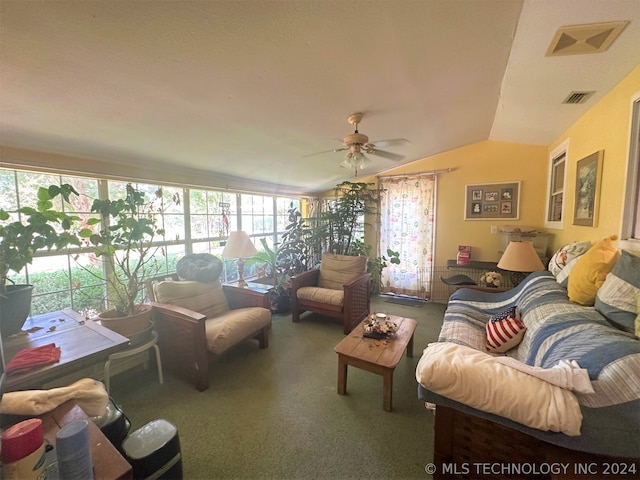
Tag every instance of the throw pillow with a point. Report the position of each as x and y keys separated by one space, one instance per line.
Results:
x=509 y=312
x=336 y=270
x=563 y=276
x=590 y=271
x=503 y=335
x=565 y=254
x=616 y=298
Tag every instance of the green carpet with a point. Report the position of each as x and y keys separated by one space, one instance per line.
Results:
x=275 y=413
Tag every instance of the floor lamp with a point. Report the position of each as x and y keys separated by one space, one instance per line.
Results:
x=520 y=258
x=239 y=246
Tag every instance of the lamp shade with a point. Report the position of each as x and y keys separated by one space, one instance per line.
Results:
x=239 y=245
x=520 y=257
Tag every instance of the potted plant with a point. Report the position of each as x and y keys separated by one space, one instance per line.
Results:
x=284 y=260
x=37 y=228
x=124 y=242
x=280 y=300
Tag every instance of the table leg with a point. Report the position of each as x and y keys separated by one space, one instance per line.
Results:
x=410 y=347
x=342 y=375
x=387 y=389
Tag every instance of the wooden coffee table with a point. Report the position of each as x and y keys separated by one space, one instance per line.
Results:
x=375 y=356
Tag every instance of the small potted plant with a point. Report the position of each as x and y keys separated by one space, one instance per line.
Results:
x=128 y=227
x=38 y=228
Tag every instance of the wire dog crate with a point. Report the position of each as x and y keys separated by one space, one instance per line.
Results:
x=440 y=291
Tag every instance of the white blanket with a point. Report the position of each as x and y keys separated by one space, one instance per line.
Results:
x=479 y=380
x=565 y=374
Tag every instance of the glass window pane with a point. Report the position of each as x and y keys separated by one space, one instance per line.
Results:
x=9 y=198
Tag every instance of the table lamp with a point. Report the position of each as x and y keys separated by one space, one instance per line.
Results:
x=520 y=258
x=239 y=246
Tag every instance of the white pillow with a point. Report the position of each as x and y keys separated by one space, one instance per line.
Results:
x=565 y=255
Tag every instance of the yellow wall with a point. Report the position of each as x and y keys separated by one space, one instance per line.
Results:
x=482 y=162
x=606 y=127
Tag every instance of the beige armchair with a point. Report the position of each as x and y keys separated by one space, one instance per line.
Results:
x=340 y=288
x=195 y=320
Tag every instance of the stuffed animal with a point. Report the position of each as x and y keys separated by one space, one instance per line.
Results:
x=491 y=279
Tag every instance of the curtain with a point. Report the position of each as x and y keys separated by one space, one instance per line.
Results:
x=407 y=225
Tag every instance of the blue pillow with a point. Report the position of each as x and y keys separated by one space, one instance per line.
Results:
x=616 y=298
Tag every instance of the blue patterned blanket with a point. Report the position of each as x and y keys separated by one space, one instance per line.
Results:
x=560 y=330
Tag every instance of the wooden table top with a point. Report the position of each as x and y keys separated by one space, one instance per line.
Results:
x=385 y=353
x=82 y=342
x=108 y=463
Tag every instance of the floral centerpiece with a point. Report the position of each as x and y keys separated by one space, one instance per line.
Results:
x=379 y=326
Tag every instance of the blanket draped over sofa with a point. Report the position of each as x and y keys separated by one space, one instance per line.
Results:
x=557 y=331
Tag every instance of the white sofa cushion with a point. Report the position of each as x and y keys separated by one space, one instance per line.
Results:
x=226 y=330
x=336 y=270
x=321 y=295
x=205 y=298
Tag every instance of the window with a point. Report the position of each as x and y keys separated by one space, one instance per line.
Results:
x=631 y=215
x=195 y=221
x=556 y=186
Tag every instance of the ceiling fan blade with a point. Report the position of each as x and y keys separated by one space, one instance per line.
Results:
x=390 y=142
x=388 y=155
x=326 y=151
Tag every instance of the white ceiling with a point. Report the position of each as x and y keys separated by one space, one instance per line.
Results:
x=248 y=88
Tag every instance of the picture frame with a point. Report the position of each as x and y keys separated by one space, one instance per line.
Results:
x=491 y=201
x=586 y=204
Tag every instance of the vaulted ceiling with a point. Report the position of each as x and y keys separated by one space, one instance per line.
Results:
x=252 y=88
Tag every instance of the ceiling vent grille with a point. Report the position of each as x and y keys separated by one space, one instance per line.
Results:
x=581 y=39
x=578 y=97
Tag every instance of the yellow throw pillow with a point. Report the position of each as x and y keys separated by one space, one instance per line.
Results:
x=591 y=269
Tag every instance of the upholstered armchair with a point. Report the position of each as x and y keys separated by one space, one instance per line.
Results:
x=340 y=288
x=196 y=320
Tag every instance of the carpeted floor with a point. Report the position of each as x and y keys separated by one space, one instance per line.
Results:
x=275 y=413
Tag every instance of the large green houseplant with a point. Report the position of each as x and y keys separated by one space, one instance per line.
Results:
x=339 y=228
x=124 y=242
x=21 y=237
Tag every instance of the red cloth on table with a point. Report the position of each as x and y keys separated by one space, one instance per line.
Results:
x=33 y=357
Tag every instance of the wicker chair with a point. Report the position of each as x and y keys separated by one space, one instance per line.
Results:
x=195 y=320
x=340 y=288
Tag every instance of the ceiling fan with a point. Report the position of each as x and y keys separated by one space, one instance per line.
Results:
x=357 y=144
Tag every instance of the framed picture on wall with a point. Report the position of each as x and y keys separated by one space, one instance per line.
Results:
x=491 y=201
x=587 y=196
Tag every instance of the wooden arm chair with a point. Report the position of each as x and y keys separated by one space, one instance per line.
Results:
x=340 y=288
x=195 y=319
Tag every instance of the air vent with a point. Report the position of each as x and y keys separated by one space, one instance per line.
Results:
x=578 y=97
x=581 y=39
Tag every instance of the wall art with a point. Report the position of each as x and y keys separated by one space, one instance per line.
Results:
x=587 y=195
x=490 y=201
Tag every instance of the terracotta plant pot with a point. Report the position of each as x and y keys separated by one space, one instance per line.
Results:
x=130 y=326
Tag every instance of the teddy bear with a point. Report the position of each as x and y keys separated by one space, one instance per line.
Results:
x=491 y=279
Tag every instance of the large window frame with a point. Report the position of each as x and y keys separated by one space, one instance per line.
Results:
x=204 y=230
x=557 y=187
x=631 y=214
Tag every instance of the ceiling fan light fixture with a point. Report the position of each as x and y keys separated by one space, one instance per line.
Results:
x=355 y=159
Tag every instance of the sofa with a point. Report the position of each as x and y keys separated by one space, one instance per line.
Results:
x=568 y=380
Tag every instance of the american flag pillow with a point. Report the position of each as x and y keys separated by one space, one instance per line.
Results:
x=504 y=334
x=509 y=312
